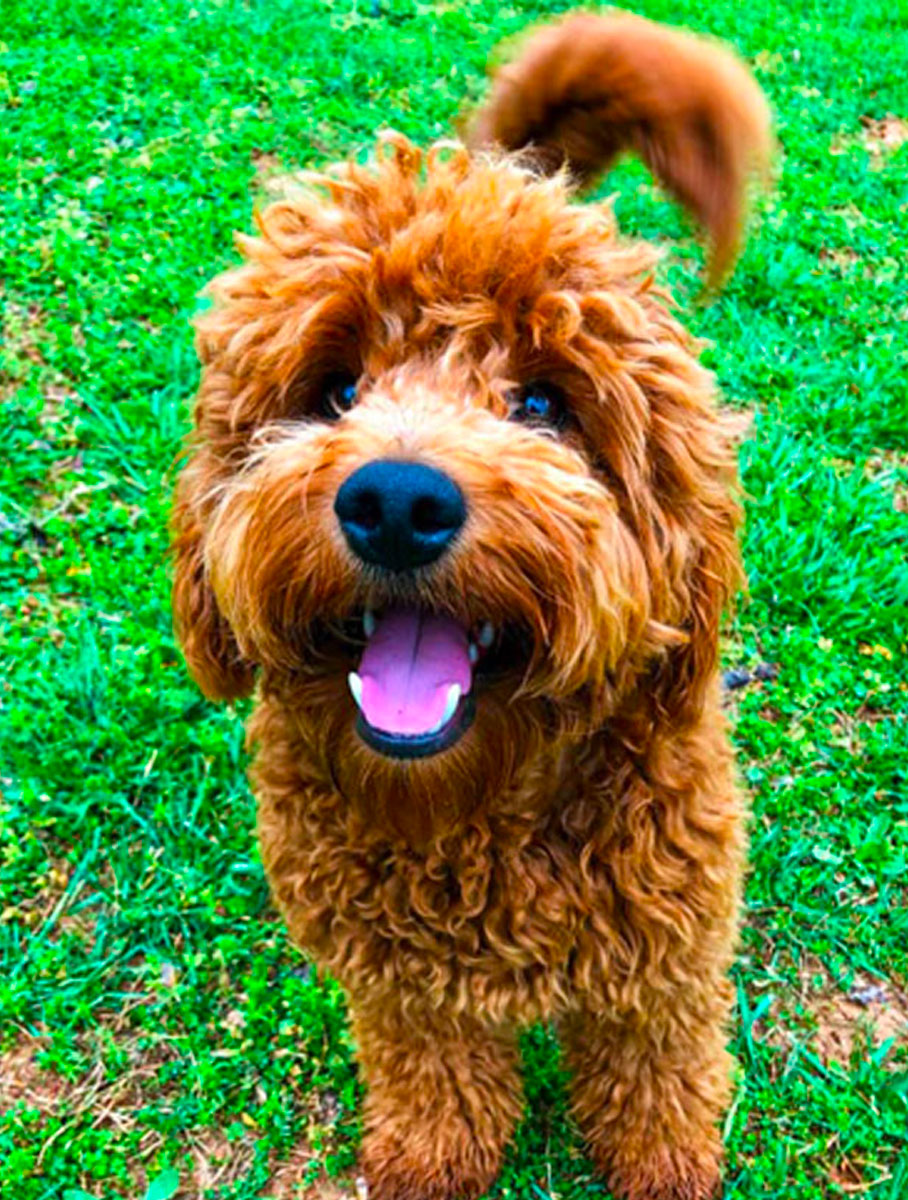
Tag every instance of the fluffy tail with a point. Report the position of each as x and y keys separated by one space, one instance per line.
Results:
x=589 y=87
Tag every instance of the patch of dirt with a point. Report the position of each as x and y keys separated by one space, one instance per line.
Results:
x=879 y=136
x=22 y=1079
x=868 y=1015
x=839 y=256
x=871 y=1012
x=270 y=173
x=847 y=729
x=884 y=135
x=22 y=332
x=837 y=1024
x=287 y=1175
x=884 y=461
x=57 y=395
x=739 y=420
x=23 y=336
x=115 y=1102
x=217 y=1160
x=848 y=262
x=891 y=466
x=265 y=163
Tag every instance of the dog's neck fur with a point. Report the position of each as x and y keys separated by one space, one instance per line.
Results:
x=420 y=806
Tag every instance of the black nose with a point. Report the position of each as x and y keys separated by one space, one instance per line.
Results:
x=399 y=515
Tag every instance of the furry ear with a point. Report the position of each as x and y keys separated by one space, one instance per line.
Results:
x=698 y=517
x=209 y=647
x=589 y=87
x=681 y=681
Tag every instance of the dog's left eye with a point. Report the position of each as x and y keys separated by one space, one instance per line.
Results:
x=338 y=395
x=538 y=403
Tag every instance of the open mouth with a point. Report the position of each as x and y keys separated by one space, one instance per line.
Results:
x=414 y=686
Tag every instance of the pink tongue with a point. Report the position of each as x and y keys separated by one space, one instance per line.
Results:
x=408 y=668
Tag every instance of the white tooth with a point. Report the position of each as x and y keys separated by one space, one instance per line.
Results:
x=473 y=653
x=368 y=622
x=450 y=704
x=356 y=687
x=486 y=634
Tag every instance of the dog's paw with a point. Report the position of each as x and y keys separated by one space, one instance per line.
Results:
x=669 y=1175
x=418 y=1168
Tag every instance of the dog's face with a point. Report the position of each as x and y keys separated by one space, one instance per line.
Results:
x=458 y=481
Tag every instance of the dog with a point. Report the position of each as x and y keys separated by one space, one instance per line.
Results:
x=460 y=507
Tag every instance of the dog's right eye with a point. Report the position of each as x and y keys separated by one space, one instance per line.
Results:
x=539 y=403
x=338 y=394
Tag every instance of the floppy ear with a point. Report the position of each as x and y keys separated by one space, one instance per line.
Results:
x=210 y=649
x=586 y=89
x=683 y=678
x=697 y=514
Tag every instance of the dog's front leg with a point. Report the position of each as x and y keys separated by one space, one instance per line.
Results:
x=649 y=1089
x=444 y=1095
x=647 y=1031
x=648 y=1094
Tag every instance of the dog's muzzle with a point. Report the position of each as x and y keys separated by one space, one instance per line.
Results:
x=413 y=685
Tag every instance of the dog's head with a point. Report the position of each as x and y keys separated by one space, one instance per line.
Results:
x=458 y=481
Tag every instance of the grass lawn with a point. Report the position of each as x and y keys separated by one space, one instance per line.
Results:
x=155 y=1024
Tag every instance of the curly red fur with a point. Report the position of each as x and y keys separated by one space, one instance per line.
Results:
x=589 y=87
x=577 y=854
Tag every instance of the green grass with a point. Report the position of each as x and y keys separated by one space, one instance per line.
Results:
x=153 y=1018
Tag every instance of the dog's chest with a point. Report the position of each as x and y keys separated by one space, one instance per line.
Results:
x=495 y=925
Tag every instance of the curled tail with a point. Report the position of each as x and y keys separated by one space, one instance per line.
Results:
x=589 y=87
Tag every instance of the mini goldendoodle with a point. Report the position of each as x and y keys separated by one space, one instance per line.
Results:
x=460 y=508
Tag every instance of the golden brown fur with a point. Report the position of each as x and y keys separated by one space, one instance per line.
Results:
x=577 y=854
x=589 y=87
